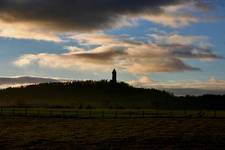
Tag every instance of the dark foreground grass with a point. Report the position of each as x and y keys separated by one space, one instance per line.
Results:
x=153 y=133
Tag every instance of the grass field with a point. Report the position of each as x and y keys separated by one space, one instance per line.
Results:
x=108 y=113
x=147 y=133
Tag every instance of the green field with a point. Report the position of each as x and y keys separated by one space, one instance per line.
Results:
x=148 y=133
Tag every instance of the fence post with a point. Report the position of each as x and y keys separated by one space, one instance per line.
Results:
x=171 y=113
x=1 y=110
x=103 y=114
x=13 y=111
x=185 y=113
x=26 y=112
x=215 y=114
x=63 y=114
x=157 y=111
x=38 y=112
x=77 y=114
x=143 y=114
x=50 y=112
x=115 y=116
x=90 y=115
x=130 y=114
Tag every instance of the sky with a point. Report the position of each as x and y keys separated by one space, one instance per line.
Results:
x=176 y=45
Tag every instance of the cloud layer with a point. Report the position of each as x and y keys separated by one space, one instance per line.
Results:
x=46 y=19
x=77 y=14
x=103 y=52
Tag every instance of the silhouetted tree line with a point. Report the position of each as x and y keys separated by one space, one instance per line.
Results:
x=103 y=94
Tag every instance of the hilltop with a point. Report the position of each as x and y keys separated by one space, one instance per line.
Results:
x=102 y=94
x=79 y=94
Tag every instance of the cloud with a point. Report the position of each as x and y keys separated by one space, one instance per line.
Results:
x=178 y=39
x=76 y=14
x=192 y=87
x=104 y=52
x=172 y=20
x=181 y=14
x=97 y=59
x=186 y=47
x=26 y=31
x=161 y=65
x=47 y=19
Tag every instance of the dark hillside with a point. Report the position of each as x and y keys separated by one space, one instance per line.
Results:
x=102 y=94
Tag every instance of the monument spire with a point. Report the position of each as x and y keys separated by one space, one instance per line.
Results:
x=114 y=80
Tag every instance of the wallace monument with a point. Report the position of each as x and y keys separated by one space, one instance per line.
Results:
x=114 y=80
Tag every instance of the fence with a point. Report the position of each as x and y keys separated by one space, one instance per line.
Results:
x=109 y=113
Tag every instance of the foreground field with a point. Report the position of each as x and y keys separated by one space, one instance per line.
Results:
x=152 y=133
x=108 y=113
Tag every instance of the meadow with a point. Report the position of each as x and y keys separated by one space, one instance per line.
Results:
x=102 y=115
x=108 y=113
x=136 y=133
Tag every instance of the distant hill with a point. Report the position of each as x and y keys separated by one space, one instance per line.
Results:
x=6 y=82
x=102 y=94
x=193 y=91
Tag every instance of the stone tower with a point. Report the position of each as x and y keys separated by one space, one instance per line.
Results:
x=114 y=80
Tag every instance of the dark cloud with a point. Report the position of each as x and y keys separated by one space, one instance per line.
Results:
x=206 y=5
x=108 y=55
x=192 y=52
x=77 y=14
x=178 y=65
x=161 y=65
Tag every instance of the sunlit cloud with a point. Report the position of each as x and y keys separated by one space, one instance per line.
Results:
x=26 y=31
x=170 y=20
x=165 y=39
x=125 y=52
x=179 y=15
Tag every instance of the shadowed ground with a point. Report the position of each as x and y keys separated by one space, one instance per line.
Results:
x=53 y=133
